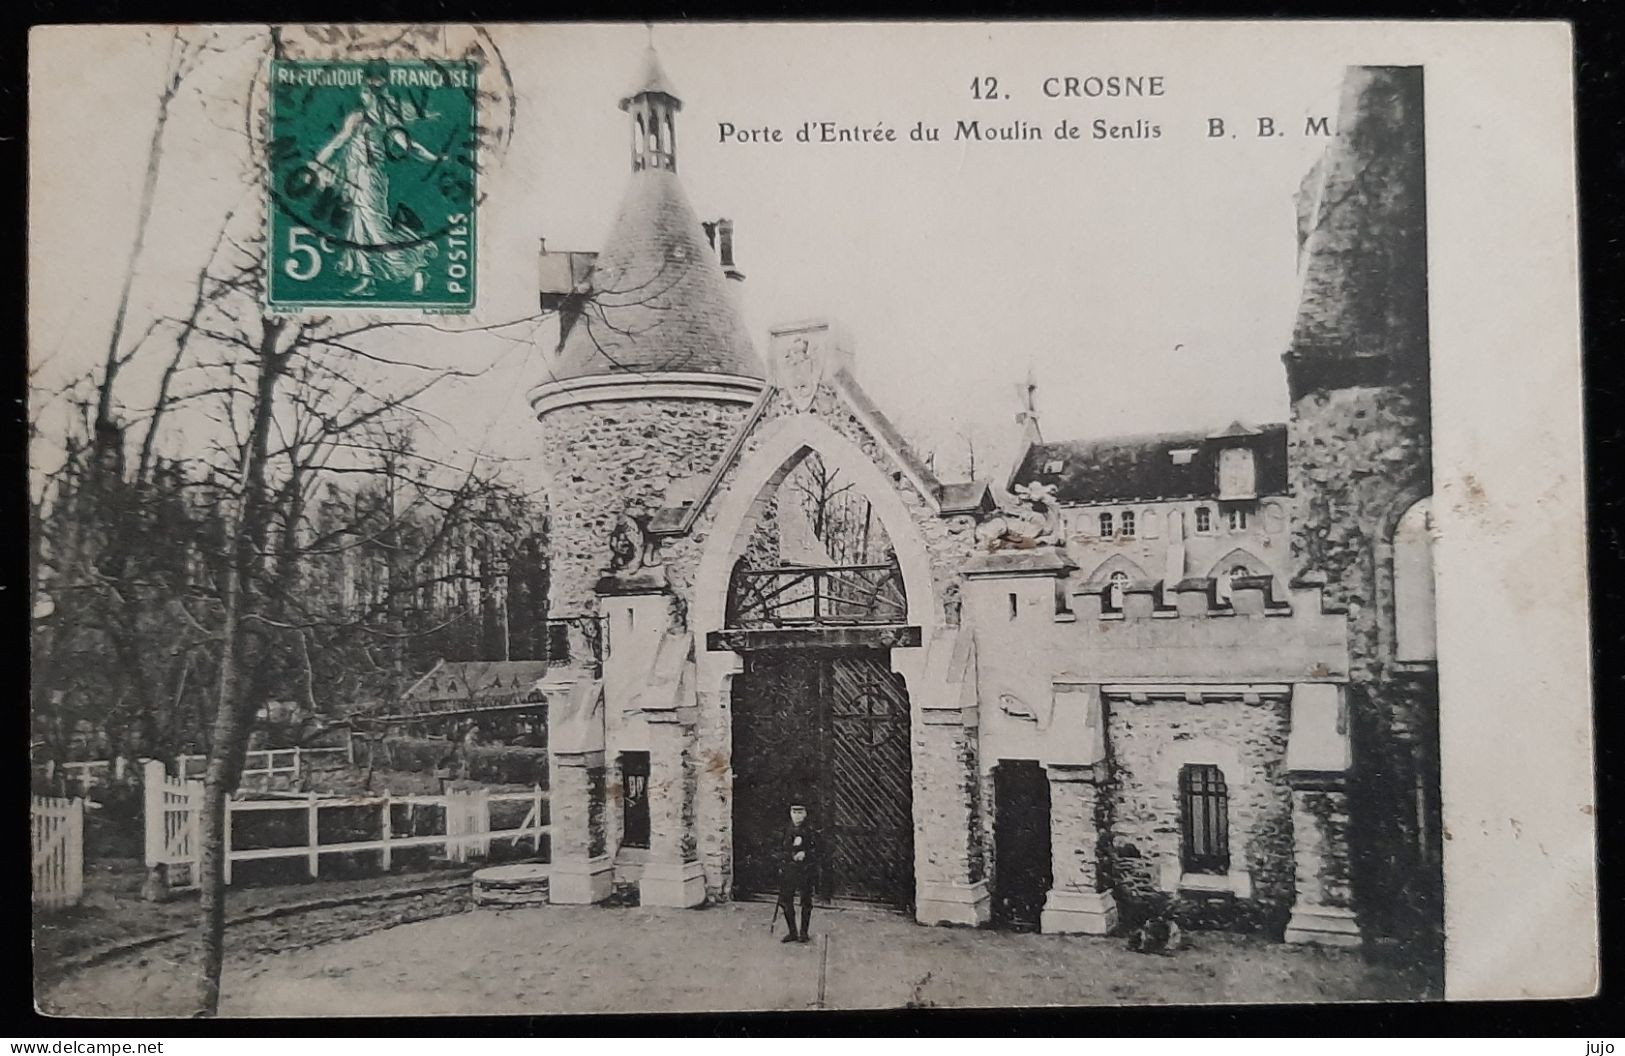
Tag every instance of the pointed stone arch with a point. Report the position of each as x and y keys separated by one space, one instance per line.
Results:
x=787 y=442
x=1241 y=555
x=1116 y=563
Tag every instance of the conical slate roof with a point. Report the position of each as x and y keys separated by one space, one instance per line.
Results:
x=651 y=80
x=660 y=302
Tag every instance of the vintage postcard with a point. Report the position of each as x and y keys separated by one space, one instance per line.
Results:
x=704 y=517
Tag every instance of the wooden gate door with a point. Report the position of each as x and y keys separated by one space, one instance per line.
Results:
x=870 y=820
x=831 y=729
x=777 y=756
x=1021 y=844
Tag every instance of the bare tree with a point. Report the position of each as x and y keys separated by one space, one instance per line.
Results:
x=260 y=416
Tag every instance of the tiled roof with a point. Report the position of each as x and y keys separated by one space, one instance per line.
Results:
x=966 y=497
x=660 y=302
x=1136 y=468
x=465 y=687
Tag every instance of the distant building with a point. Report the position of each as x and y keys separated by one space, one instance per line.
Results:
x=503 y=699
x=1171 y=507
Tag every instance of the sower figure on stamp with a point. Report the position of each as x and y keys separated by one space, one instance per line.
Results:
x=798 y=866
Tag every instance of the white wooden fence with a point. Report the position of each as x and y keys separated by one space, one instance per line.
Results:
x=266 y=763
x=58 y=830
x=172 y=813
x=172 y=820
x=84 y=776
x=263 y=764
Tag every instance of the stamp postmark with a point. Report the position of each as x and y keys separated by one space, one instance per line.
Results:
x=372 y=178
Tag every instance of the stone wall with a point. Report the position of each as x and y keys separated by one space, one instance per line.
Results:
x=1248 y=741
x=602 y=457
x=1360 y=454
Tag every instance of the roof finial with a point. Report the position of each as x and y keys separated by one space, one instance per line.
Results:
x=1027 y=416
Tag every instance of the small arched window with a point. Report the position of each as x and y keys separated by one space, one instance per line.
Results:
x=1414 y=637
x=671 y=141
x=1115 y=586
x=1204 y=519
x=1126 y=529
x=1148 y=524
x=1105 y=526
x=637 y=140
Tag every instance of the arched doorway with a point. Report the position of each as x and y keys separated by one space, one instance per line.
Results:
x=809 y=644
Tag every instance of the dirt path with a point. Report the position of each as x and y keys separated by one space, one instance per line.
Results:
x=562 y=959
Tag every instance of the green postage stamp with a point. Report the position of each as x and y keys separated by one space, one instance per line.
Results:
x=372 y=180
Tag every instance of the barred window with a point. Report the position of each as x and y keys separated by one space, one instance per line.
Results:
x=1204 y=807
x=1126 y=530
x=1105 y=526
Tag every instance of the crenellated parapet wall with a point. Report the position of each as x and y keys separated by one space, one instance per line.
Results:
x=1117 y=694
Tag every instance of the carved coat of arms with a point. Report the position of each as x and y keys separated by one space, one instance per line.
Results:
x=801 y=368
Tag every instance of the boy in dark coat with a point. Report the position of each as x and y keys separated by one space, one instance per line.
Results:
x=798 y=858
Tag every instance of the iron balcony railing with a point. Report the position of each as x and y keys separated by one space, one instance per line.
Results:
x=835 y=595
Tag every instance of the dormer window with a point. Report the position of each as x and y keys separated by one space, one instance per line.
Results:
x=1238 y=476
x=1126 y=529
x=1182 y=456
x=1054 y=466
x=1224 y=583
x=1105 y=526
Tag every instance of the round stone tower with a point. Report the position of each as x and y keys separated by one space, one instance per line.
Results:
x=654 y=372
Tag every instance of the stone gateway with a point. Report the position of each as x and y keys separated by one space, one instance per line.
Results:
x=1137 y=679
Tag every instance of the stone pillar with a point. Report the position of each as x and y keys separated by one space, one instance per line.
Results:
x=1323 y=910
x=713 y=805
x=949 y=865
x=582 y=870
x=672 y=876
x=1318 y=757
x=1078 y=901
